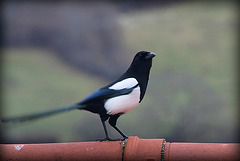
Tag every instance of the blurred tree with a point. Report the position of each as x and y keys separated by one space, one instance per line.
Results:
x=77 y=32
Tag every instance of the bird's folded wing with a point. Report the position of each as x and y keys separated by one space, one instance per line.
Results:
x=106 y=93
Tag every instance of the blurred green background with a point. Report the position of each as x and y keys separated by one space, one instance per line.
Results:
x=55 y=54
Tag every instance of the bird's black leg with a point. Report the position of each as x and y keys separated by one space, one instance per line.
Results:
x=106 y=132
x=112 y=121
x=120 y=132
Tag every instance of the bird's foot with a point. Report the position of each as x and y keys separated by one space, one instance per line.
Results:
x=109 y=139
x=125 y=138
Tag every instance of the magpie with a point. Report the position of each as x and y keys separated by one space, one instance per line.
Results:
x=113 y=100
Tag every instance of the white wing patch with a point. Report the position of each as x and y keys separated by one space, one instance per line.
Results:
x=124 y=103
x=126 y=83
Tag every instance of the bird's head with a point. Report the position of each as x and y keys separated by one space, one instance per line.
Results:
x=144 y=56
x=142 y=63
x=143 y=59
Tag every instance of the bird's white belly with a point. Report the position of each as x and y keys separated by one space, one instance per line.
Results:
x=124 y=103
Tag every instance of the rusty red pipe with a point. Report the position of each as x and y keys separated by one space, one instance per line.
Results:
x=111 y=150
x=202 y=152
x=134 y=149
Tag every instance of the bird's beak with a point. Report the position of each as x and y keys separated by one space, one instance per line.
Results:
x=150 y=55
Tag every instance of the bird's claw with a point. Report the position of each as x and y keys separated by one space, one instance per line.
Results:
x=110 y=139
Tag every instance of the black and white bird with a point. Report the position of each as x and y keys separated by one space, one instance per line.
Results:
x=113 y=100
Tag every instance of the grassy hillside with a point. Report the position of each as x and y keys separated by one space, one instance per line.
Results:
x=192 y=89
x=193 y=81
x=36 y=81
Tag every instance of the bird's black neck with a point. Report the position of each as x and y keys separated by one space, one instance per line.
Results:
x=141 y=73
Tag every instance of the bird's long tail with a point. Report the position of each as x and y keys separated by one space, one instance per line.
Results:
x=18 y=119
